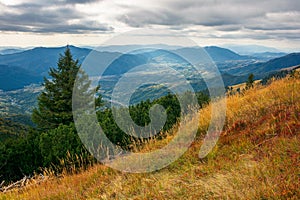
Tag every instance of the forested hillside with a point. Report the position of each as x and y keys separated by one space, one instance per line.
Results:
x=257 y=157
x=53 y=138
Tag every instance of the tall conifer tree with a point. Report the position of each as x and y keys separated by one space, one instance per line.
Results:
x=55 y=102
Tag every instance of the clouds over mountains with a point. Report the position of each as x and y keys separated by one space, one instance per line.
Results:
x=257 y=19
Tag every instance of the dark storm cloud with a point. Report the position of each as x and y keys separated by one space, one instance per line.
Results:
x=46 y=18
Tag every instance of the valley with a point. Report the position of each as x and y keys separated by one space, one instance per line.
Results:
x=23 y=71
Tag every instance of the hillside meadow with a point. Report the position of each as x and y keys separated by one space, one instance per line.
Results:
x=256 y=157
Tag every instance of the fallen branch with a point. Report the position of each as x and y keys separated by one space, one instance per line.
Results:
x=2 y=183
x=24 y=182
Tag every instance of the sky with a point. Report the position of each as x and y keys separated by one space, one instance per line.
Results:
x=273 y=23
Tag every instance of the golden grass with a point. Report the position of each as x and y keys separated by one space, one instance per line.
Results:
x=257 y=157
x=243 y=85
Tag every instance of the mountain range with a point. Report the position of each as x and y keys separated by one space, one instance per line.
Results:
x=30 y=66
x=250 y=49
x=263 y=68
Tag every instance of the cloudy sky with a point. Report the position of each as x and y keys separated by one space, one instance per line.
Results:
x=209 y=22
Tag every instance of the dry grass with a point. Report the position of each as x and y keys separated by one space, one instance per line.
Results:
x=243 y=85
x=257 y=157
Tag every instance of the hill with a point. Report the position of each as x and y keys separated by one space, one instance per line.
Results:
x=256 y=157
x=217 y=54
x=262 y=69
x=13 y=77
x=276 y=64
x=40 y=59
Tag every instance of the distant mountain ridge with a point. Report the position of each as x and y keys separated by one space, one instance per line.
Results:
x=268 y=55
x=219 y=54
x=30 y=66
x=261 y=69
x=250 y=49
x=10 y=51
x=40 y=59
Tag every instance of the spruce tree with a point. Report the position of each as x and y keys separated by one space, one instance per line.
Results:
x=55 y=102
x=250 y=82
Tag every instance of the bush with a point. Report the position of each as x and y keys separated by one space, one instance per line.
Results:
x=61 y=144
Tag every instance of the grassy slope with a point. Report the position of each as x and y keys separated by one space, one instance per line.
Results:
x=257 y=157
